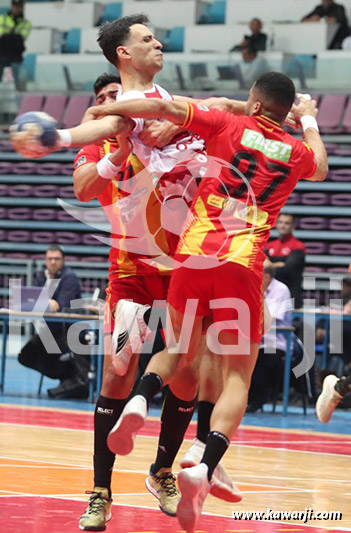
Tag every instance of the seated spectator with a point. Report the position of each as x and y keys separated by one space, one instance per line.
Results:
x=70 y=369
x=333 y=14
x=250 y=67
x=286 y=256
x=267 y=373
x=257 y=39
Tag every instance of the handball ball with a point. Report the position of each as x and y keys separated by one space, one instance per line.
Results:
x=37 y=127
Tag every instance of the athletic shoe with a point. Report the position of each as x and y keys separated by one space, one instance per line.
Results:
x=328 y=399
x=162 y=485
x=120 y=440
x=98 y=511
x=194 y=487
x=221 y=484
x=128 y=335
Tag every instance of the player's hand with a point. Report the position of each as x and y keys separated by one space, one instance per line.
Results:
x=158 y=134
x=124 y=145
x=304 y=107
x=291 y=121
x=26 y=143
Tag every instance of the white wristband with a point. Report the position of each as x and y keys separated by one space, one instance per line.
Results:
x=106 y=169
x=308 y=121
x=65 y=137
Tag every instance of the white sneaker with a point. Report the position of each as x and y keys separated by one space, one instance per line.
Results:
x=194 y=487
x=120 y=440
x=221 y=484
x=328 y=399
x=128 y=335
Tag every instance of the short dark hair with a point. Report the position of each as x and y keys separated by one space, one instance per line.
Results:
x=278 y=91
x=55 y=248
x=105 y=79
x=115 y=33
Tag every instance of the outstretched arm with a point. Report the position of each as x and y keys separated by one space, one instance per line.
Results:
x=174 y=111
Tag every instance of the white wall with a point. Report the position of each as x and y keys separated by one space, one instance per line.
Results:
x=63 y=16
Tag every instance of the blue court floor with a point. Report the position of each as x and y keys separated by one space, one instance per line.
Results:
x=21 y=388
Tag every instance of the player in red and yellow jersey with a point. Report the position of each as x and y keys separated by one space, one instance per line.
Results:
x=222 y=254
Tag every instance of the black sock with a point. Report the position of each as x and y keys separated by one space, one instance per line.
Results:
x=176 y=416
x=150 y=384
x=216 y=446
x=107 y=412
x=343 y=386
x=204 y=412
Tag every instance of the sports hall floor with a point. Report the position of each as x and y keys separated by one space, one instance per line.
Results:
x=285 y=464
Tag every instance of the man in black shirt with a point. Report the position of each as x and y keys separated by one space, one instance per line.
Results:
x=70 y=370
x=333 y=14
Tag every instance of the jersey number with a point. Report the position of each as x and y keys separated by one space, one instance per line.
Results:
x=281 y=172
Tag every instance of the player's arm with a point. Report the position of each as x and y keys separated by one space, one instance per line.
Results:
x=91 y=179
x=237 y=107
x=306 y=112
x=173 y=111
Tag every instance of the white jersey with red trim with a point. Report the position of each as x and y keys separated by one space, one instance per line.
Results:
x=161 y=160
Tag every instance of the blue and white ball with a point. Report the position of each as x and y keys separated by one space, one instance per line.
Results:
x=34 y=134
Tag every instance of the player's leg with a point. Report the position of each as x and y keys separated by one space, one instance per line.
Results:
x=333 y=391
x=195 y=482
x=210 y=388
x=160 y=371
x=109 y=406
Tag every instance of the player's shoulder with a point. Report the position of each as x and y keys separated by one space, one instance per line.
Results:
x=133 y=94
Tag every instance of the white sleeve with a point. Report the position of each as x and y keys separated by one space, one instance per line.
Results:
x=133 y=95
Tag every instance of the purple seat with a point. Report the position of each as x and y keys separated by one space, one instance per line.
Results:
x=5 y=146
x=44 y=214
x=67 y=237
x=67 y=169
x=44 y=237
x=90 y=240
x=17 y=255
x=54 y=106
x=6 y=167
x=19 y=213
x=21 y=190
x=19 y=236
x=313 y=269
x=3 y=235
x=46 y=191
x=66 y=192
x=312 y=223
x=341 y=174
x=337 y=270
x=72 y=257
x=31 y=102
x=342 y=199
x=315 y=198
x=4 y=189
x=340 y=224
x=346 y=121
x=75 y=110
x=294 y=198
x=331 y=148
x=3 y=212
x=63 y=216
x=316 y=247
x=330 y=112
x=25 y=168
x=340 y=248
x=41 y=257
x=49 y=169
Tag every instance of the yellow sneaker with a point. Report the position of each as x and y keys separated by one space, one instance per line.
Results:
x=162 y=485
x=98 y=511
